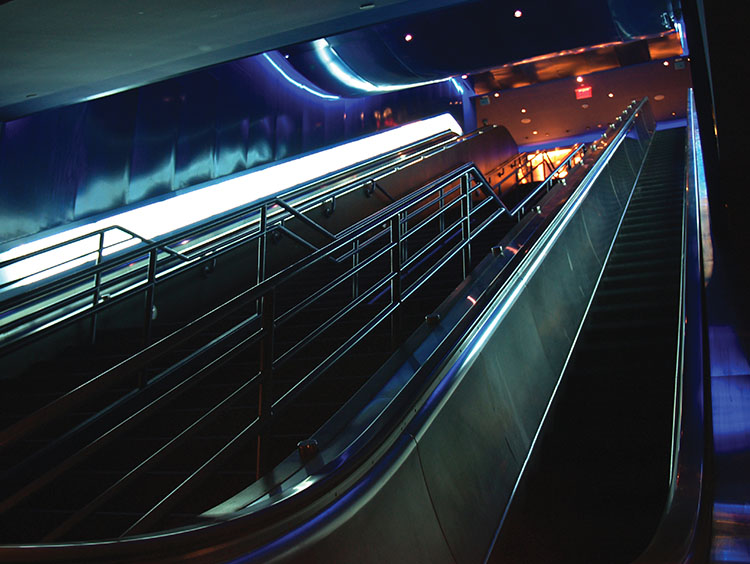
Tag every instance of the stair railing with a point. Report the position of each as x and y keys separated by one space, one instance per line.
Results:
x=114 y=263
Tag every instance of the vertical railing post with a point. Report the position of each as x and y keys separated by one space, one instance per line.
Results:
x=441 y=205
x=265 y=390
x=355 y=263
x=148 y=312
x=260 y=274
x=97 y=287
x=396 y=280
x=148 y=309
x=466 y=223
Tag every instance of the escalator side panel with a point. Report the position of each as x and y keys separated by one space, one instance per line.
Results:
x=368 y=530
x=474 y=445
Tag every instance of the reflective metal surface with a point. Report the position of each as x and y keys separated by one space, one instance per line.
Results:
x=68 y=164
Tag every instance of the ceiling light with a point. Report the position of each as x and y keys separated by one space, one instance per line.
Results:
x=585 y=106
x=611 y=95
x=464 y=76
x=525 y=121
x=534 y=132
x=523 y=110
x=579 y=79
x=518 y=13
x=659 y=97
x=408 y=37
x=665 y=63
x=497 y=94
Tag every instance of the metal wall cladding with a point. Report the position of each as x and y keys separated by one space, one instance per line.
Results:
x=70 y=164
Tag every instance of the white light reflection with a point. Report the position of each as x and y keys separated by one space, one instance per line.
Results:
x=299 y=84
x=160 y=218
x=344 y=73
x=458 y=87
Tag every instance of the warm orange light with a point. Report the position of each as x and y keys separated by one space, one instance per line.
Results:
x=497 y=94
x=611 y=95
x=523 y=110
x=534 y=132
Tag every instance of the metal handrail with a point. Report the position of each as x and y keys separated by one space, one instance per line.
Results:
x=133 y=548
x=149 y=250
x=394 y=216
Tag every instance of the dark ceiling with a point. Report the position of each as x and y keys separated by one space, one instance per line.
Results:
x=54 y=52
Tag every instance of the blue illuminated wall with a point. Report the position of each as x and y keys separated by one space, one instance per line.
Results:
x=72 y=163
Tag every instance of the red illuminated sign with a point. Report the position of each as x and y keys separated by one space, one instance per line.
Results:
x=583 y=92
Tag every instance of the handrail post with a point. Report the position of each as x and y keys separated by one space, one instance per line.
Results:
x=441 y=206
x=97 y=287
x=148 y=312
x=265 y=397
x=466 y=223
x=260 y=274
x=396 y=280
x=355 y=263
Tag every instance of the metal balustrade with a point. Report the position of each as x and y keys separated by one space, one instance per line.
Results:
x=378 y=264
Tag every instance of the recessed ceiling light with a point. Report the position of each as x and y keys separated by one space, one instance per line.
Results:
x=585 y=106
x=665 y=63
x=518 y=13
x=464 y=76
x=659 y=97
x=579 y=79
x=526 y=121
x=611 y=95
x=523 y=110
x=408 y=37
x=497 y=94
x=674 y=114
x=535 y=132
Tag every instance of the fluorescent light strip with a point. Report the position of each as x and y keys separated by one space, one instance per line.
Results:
x=157 y=219
x=275 y=65
x=344 y=73
x=459 y=88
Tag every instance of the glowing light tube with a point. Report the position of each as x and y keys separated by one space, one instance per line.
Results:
x=344 y=73
x=157 y=219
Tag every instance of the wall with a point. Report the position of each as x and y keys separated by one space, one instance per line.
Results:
x=70 y=164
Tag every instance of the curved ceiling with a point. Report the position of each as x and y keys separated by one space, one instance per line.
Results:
x=57 y=53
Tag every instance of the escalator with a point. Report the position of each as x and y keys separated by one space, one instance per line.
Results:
x=447 y=419
x=110 y=466
x=596 y=483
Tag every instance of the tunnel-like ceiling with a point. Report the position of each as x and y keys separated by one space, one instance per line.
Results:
x=55 y=53
x=58 y=53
